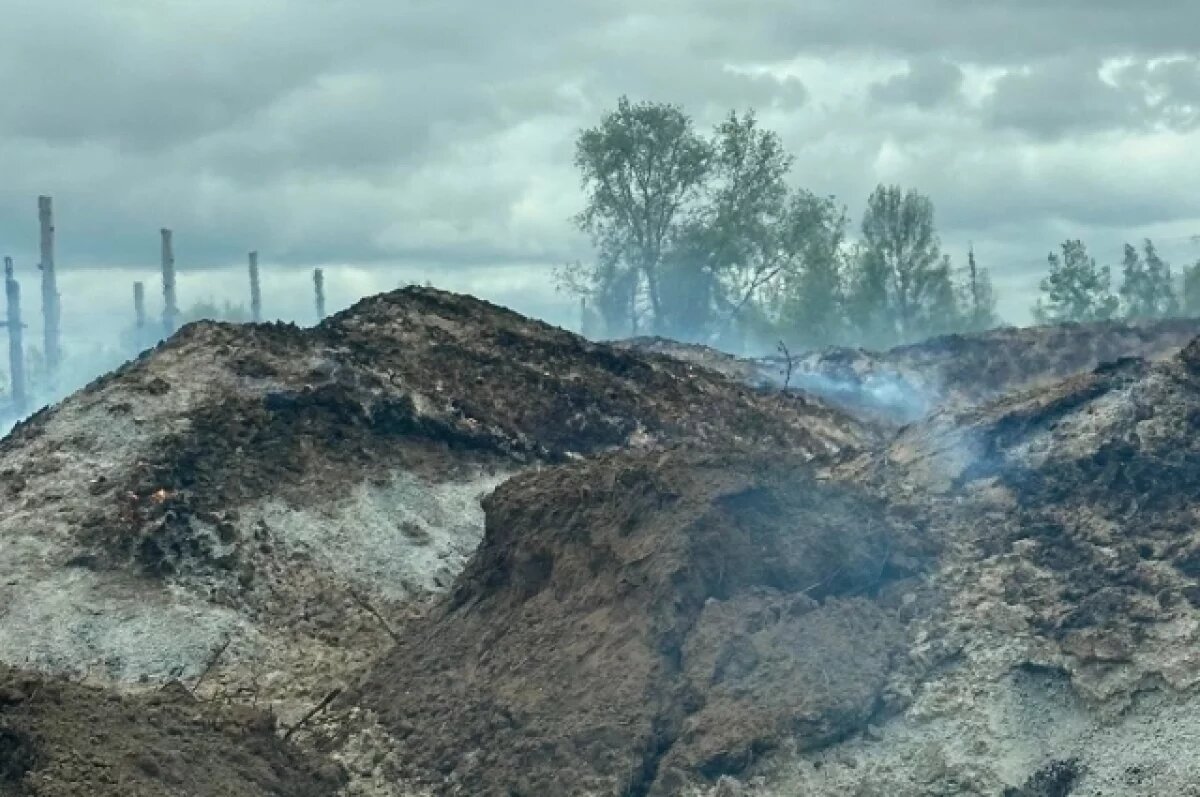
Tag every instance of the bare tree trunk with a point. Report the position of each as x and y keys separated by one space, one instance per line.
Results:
x=974 y=285
x=170 y=307
x=255 y=290
x=16 y=343
x=139 y=312
x=319 y=290
x=51 y=306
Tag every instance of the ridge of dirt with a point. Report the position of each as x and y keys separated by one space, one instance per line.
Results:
x=60 y=739
x=255 y=508
x=1066 y=517
x=678 y=583
x=903 y=384
x=638 y=622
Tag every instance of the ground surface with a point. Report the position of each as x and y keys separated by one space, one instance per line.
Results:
x=462 y=552
x=59 y=739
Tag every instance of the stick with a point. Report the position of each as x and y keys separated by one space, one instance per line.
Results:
x=212 y=662
x=361 y=601
x=317 y=709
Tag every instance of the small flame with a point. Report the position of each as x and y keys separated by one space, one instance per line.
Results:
x=160 y=495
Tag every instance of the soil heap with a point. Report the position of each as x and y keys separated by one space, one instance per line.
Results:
x=1065 y=650
x=59 y=739
x=676 y=583
x=906 y=383
x=1003 y=601
x=636 y=620
x=252 y=508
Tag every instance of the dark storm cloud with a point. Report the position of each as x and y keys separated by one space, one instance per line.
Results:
x=1072 y=95
x=927 y=83
x=438 y=136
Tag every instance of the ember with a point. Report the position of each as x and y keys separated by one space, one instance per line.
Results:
x=160 y=495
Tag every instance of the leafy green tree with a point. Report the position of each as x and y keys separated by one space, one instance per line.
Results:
x=866 y=299
x=744 y=225
x=640 y=167
x=943 y=311
x=902 y=276
x=1076 y=289
x=978 y=298
x=695 y=238
x=812 y=297
x=1191 y=290
x=1146 y=287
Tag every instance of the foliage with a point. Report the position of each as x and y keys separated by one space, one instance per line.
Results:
x=695 y=238
x=901 y=286
x=640 y=168
x=1076 y=289
x=1146 y=289
x=1191 y=290
x=977 y=297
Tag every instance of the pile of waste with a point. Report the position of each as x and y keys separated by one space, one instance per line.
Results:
x=431 y=547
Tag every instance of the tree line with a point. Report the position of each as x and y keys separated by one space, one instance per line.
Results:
x=701 y=237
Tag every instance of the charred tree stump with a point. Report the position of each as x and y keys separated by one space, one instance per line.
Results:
x=170 y=306
x=319 y=291
x=16 y=339
x=51 y=307
x=139 y=313
x=255 y=290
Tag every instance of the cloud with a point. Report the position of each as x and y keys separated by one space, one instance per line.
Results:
x=1085 y=94
x=434 y=139
x=927 y=83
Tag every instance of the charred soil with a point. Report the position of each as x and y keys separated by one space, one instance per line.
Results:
x=641 y=622
x=59 y=739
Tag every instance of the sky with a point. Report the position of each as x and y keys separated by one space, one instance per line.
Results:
x=399 y=141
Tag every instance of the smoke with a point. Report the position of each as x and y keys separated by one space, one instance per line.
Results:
x=882 y=393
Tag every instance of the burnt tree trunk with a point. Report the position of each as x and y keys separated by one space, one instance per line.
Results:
x=16 y=338
x=139 y=312
x=319 y=291
x=255 y=290
x=170 y=307
x=51 y=306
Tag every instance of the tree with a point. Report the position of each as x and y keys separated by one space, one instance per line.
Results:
x=812 y=296
x=640 y=168
x=694 y=237
x=978 y=298
x=902 y=272
x=1076 y=289
x=1146 y=286
x=743 y=227
x=1191 y=290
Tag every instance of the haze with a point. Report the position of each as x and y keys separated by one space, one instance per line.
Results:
x=405 y=142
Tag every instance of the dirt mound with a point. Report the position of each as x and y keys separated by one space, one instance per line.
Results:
x=906 y=383
x=639 y=622
x=685 y=583
x=1104 y=474
x=59 y=739
x=1071 y=624
x=269 y=501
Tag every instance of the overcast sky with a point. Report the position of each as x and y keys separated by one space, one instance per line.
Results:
x=394 y=141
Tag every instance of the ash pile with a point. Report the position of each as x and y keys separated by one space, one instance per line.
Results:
x=433 y=547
